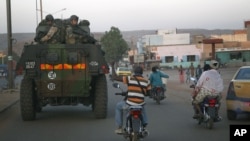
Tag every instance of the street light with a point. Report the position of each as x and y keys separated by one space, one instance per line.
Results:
x=42 y=11
x=58 y=11
x=51 y=13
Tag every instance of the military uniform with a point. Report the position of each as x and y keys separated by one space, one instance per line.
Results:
x=50 y=36
x=49 y=31
x=74 y=35
x=71 y=38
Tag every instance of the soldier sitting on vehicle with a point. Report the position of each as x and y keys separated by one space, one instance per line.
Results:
x=47 y=31
x=74 y=34
x=84 y=24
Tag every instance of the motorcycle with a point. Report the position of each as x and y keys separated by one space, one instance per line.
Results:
x=157 y=93
x=209 y=108
x=133 y=130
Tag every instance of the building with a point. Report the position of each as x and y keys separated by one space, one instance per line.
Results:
x=170 y=49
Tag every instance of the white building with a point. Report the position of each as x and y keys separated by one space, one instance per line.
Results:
x=171 y=48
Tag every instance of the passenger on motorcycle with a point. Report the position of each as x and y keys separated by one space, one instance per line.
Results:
x=155 y=78
x=137 y=90
x=210 y=83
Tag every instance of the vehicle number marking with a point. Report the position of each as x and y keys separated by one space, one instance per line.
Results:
x=30 y=65
x=51 y=86
x=52 y=75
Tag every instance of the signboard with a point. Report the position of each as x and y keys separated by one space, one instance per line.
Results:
x=138 y=58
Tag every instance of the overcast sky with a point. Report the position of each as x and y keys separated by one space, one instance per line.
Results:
x=130 y=15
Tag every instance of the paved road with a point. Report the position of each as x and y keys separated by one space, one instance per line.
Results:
x=170 y=121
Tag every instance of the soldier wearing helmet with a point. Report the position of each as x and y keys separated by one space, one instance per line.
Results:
x=46 y=31
x=210 y=83
x=74 y=17
x=74 y=34
x=84 y=24
x=49 y=18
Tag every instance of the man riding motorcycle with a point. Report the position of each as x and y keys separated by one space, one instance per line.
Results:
x=155 y=78
x=137 y=90
x=210 y=83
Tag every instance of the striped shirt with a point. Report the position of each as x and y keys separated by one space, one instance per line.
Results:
x=135 y=95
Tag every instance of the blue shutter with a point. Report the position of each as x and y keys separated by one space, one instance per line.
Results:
x=184 y=58
x=175 y=58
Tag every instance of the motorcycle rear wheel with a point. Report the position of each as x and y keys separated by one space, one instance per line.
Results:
x=158 y=99
x=210 y=123
x=134 y=137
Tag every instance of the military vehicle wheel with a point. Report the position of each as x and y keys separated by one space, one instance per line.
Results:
x=101 y=98
x=38 y=109
x=27 y=100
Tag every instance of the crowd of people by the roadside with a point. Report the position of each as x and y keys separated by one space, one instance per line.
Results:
x=185 y=74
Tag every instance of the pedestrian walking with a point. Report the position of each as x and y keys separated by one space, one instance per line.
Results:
x=181 y=74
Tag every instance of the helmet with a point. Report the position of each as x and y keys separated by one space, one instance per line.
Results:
x=49 y=18
x=73 y=17
x=84 y=22
x=138 y=70
x=214 y=64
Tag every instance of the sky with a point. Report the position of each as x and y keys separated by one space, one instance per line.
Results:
x=129 y=15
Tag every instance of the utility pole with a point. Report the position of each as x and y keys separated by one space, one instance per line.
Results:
x=213 y=42
x=41 y=8
x=10 y=57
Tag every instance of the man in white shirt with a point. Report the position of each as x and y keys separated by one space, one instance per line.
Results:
x=210 y=83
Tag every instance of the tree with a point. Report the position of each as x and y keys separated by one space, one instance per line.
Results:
x=114 y=46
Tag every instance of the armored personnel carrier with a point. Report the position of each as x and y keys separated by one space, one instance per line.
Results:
x=62 y=74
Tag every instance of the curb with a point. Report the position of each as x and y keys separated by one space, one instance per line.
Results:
x=8 y=98
x=2 y=109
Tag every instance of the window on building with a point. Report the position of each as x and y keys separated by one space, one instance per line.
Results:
x=235 y=55
x=169 y=59
x=190 y=58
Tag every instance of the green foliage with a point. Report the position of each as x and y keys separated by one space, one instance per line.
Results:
x=114 y=45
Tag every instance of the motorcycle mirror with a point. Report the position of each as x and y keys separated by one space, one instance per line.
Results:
x=193 y=79
x=116 y=85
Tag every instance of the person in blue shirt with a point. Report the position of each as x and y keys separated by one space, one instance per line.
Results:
x=155 y=78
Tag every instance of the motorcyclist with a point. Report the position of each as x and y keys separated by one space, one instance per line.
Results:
x=210 y=83
x=137 y=90
x=155 y=78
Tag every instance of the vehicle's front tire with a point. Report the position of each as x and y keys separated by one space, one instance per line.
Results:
x=27 y=100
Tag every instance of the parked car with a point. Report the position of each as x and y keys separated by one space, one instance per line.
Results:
x=238 y=94
x=123 y=71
